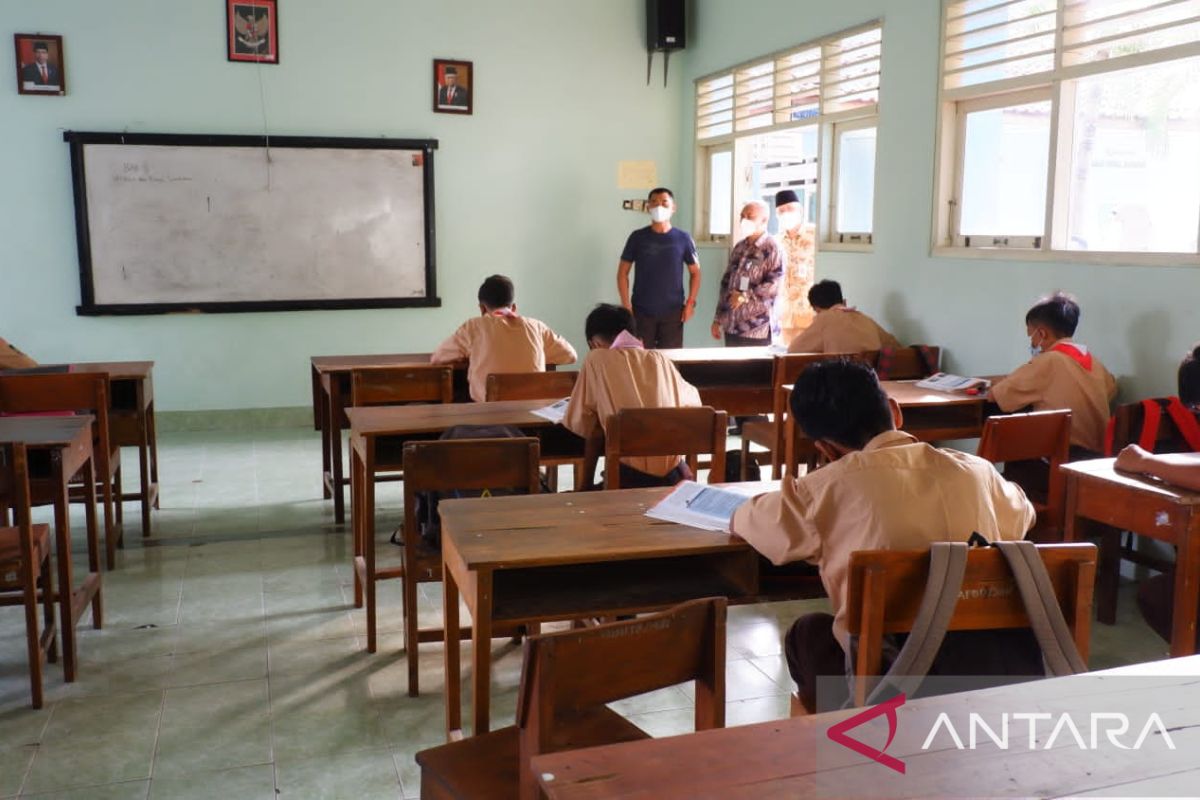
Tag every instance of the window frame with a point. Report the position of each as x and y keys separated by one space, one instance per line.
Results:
x=836 y=236
x=824 y=121
x=1057 y=85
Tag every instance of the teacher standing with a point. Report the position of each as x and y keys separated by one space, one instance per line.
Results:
x=750 y=283
x=658 y=254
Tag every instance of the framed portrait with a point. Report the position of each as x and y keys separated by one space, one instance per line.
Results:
x=453 y=86
x=40 y=65
x=252 y=31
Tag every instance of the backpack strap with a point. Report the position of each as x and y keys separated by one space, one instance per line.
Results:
x=1041 y=605
x=928 y=359
x=1110 y=434
x=1185 y=421
x=1151 y=419
x=947 y=566
x=885 y=362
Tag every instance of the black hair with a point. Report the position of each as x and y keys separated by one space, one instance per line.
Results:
x=497 y=292
x=1189 y=377
x=660 y=190
x=607 y=321
x=1059 y=312
x=841 y=401
x=825 y=294
x=41 y=46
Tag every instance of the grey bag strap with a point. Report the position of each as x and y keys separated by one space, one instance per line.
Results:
x=947 y=566
x=1041 y=605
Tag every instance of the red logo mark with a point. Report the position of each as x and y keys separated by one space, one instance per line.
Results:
x=838 y=733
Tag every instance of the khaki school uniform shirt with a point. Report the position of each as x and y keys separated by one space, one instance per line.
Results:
x=611 y=380
x=12 y=358
x=842 y=330
x=1051 y=381
x=894 y=494
x=502 y=343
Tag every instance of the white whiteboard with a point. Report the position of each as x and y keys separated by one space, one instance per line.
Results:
x=228 y=228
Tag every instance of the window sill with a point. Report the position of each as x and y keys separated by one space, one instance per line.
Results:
x=842 y=247
x=1070 y=256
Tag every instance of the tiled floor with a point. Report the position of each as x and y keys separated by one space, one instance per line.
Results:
x=231 y=664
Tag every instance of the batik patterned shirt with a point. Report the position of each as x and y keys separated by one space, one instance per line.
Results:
x=749 y=287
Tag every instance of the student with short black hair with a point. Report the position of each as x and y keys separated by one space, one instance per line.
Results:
x=837 y=327
x=1189 y=378
x=12 y=358
x=1062 y=374
x=882 y=490
x=618 y=373
x=499 y=340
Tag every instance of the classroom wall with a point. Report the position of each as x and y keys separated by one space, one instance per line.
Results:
x=526 y=186
x=1139 y=319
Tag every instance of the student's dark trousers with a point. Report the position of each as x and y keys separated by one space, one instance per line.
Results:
x=660 y=331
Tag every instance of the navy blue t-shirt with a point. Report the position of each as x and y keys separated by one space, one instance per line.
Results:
x=658 y=260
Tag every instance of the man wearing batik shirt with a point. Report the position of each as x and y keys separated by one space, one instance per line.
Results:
x=745 y=310
x=798 y=241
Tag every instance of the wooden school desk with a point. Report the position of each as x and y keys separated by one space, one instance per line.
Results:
x=792 y=758
x=736 y=380
x=331 y=396
x=1096 y=491
x=59 y=449
x=535 y=558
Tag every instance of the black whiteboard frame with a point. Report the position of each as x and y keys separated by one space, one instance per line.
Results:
x=88 y=306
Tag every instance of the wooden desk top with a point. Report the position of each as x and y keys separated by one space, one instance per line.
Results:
x=437 y=417
x=572 y=528
x=718 y=354
x=908 y=395
x=792 y=758
x=1102 y=469
x=118 y=370
x=44 y=431
x=324 y=364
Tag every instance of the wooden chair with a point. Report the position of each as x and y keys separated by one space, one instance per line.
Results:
x=566 y=682
x=25 y=568
x=906 y=363
x=392 y=386
x=1043 y=438
x=435 y=466
x=690 y=432
x=559 y=446
x=770 y=433
x=81 y=393
x=886 y=587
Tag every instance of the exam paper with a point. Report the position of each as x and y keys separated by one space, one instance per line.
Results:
x=554 y=412
x=700 y=506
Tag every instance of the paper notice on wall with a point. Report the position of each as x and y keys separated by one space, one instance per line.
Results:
x=636 y=175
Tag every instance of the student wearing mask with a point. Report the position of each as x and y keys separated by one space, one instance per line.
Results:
x=837 y=327
x=1061 y=374
x=12 y=358
x=657 y=254
x=618 y=373
x=746 y=306
x=499 y=340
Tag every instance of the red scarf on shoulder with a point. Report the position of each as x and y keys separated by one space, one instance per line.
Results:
x=1076 y=353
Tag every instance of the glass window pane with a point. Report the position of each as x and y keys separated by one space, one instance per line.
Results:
x=1005 y=161
x=769 y=162
x=856 y=180
x=720 y=196
x=1136 y=155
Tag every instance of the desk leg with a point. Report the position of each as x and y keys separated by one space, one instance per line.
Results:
x=451 y=631
x=322 y=414
x=1187 y=586
x=333 y=420
x=356 y=519
x=152 y=436
x=481 y=655
x=66 y=583
x=143 y=447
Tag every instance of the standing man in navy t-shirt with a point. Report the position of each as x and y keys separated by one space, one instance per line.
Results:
x=659 y=252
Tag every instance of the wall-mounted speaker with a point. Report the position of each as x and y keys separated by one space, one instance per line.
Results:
x=665 y=25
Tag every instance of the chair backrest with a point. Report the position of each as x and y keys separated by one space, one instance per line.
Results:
x=75 y=392
x=886 y=588
x=1130 y=418
x=415 y=383
x=906 y=363
x=529 y=385
x=571 y=672
x=467 y=465
x=690 y=432
x=1030 y=437
x=14 y=487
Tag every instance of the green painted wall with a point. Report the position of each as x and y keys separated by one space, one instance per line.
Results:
x=1140 y=320
x=527 y=186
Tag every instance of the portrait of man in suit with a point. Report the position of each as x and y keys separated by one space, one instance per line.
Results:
x=452 y=86
x=41 y=72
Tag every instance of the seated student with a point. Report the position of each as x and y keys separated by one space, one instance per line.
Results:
x=1061 y=374
x=12 y=358
x=619 y=373
x=500 y=341
x=882 y=490
x=838 y=328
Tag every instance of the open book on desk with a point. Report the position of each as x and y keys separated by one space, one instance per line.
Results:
x=554 y=412
x=707 y=507
x=945 y=382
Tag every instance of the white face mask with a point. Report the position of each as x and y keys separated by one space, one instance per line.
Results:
x=748 y=227
x=789 y=220
x=660 y=213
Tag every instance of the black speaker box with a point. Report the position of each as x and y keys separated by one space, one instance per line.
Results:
x=665 y=25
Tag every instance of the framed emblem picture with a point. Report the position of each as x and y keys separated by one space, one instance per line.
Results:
x=252 y=31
